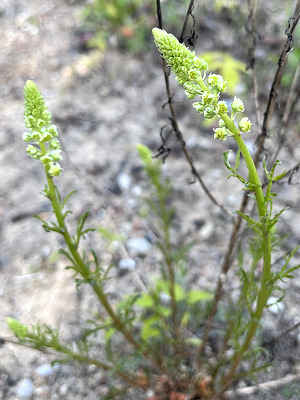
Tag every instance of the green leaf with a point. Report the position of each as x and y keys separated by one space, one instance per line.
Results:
x=198 y=295
x=151 y=328
x=164 y=311
x=145 y=301
x=17 y=327
x=227 y=66
x=255 y=225
x=164 y=287
x=276 y=178
x=228 y=166
x=185 y=318
x=194 y=341
x=144 y=153
x=67 y=198
x=110 y=236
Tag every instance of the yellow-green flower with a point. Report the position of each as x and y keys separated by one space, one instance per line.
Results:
x=220 y=133
x=183 y=62
x=237 y=105
x=245 y=124
x=45 y=147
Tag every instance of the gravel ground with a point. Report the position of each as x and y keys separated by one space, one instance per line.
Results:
x=104 y=105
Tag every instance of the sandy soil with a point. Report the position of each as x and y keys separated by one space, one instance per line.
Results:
x=104 y=105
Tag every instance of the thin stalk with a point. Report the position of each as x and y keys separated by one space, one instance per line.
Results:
x=264 y=290
x=260 y=141
x=174 y=122
x=85 y=272
x=75 y=356
x=170 y=266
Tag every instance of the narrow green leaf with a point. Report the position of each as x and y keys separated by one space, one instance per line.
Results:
x=67 y=198
x=198 y=295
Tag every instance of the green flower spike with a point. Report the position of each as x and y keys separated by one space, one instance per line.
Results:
x=45 y=147
x=183 y=62
x=190 y=72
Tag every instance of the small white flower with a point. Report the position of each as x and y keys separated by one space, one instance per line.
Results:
x=245 y=124
x=237 y=105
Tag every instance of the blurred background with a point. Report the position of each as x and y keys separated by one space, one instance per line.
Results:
x=101 y=76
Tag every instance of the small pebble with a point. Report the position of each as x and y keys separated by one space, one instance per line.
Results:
x=25 y=388
x=165 y=298
x=63 y=390
x=206 y=231
x=124 y=181
x=136 y=191
x=275 y=307
x=44 y=370
x=139 y=246
x=127 y=263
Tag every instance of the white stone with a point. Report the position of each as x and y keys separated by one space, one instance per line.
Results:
x=137 y=190
x=25 y=388
x=275 y=307
x=207 y=230
x=127 y=263
x=64 y=388
x=139 y=246
x=124 y=181
x=44 y=370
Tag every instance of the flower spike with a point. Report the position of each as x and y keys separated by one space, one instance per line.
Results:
x=45 y=146
x=190 y=72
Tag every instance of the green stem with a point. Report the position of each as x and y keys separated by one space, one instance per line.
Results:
x=85 y=272
x=166 y=249
x=83 y=269
x=253 y=175
x=264 y=291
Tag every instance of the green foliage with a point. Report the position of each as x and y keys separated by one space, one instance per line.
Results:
x=123 y=18
x=130 y=21
x=110 y=236
x=291 y=391
x=229 y=67
x=19 y=329
x=161 y=332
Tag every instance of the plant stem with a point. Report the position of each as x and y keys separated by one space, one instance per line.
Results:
x=264 y=290
x=85 y=271
x=253 y=175
x=167 y=253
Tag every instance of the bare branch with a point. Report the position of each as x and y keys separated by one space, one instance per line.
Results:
x=252 y=58
x=175 y=125
x=188 y=14
x=266 y=386
x=238 y=221
x=293 y=21
x=293 y=96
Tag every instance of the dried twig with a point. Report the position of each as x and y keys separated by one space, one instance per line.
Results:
x=266 y=386
x=293 y=96
x=238 y=221
x=252 y=58
x=293 y=21
x=175 y=123
x=282 y=335
x=189 y=10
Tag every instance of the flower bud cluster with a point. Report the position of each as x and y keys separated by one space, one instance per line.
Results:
x=43 y=135
x=183 y=62
x=188 y=69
